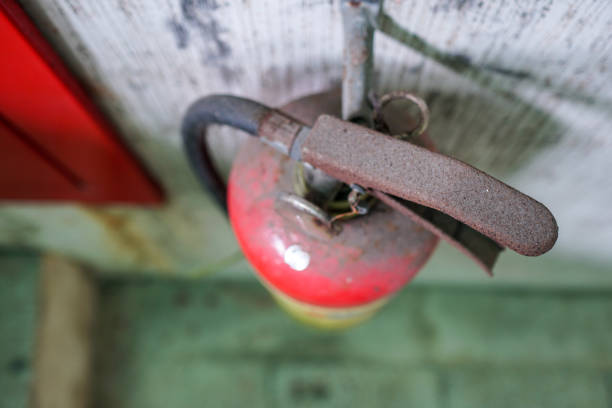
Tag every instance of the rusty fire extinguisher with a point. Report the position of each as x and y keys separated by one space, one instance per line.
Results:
x=336 y=215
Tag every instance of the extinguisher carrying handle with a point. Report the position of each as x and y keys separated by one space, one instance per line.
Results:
x=356 y=154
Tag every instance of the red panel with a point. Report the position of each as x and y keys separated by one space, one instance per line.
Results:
x=46 y=107
x=41 y=178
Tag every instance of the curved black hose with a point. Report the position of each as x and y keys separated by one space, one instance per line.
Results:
x=240 y=113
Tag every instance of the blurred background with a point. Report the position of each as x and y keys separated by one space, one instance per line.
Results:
x=121 y=283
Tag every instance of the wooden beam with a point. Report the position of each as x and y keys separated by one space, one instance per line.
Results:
x=63 y=362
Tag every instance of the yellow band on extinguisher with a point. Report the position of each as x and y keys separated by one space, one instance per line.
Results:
x=322 y=317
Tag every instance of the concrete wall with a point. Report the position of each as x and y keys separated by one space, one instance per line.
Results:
x=518 y=89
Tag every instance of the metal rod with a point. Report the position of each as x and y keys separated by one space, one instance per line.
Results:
x=357 y=60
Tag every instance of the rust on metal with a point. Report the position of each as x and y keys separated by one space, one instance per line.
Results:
x=358 y=59
x=279 y=130
x=355 y=154
x=379 y=120
x=481 y=249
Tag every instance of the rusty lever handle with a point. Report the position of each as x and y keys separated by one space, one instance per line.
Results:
x=355 y=154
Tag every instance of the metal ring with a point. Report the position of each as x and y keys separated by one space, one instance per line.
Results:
x=420 y=103
x=305 y=206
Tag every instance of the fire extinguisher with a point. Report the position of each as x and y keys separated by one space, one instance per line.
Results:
x=336 y=215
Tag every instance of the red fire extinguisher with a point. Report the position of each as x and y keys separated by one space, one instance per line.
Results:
x=332 y=273
x=335 y=216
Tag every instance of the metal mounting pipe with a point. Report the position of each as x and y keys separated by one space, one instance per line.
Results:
x=358 y=60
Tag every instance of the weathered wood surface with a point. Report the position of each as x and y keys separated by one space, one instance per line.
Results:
x=518 y=89
x=66 y=333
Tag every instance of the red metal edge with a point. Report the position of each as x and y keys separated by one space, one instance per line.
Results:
x=150 y=190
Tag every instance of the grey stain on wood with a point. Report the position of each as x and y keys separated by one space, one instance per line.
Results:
x=180 y=32
x=447 y=5
x=199 y=16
